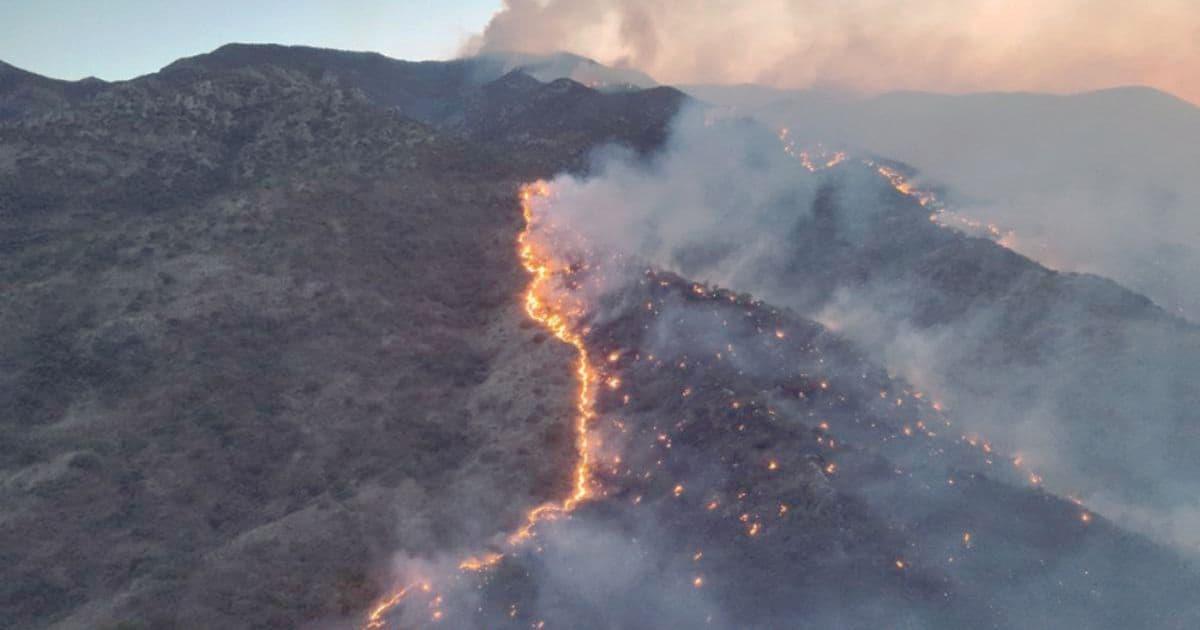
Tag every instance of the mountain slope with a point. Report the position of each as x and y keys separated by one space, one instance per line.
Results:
x=261 y=330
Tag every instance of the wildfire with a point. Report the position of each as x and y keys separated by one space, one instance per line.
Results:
x=375 y=619
x=551 y=315
x=542 y=306
x=558 y=311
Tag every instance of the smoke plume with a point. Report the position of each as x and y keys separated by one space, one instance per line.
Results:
x=871 y=45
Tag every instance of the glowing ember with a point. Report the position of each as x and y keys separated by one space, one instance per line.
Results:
x=375 y=619
x=479 y=563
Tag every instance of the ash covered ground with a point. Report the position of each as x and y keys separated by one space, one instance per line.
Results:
x=754 y=470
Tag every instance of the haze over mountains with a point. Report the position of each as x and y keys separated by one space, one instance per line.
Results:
x=870 y=46
x=1097 y=182
x=268 y=355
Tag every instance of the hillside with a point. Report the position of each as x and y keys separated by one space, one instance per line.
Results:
x=261 y=327
x=22 y=91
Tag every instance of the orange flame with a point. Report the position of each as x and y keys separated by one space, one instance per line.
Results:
x=553 y=315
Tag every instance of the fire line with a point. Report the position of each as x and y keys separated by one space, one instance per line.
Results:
x=554 y=316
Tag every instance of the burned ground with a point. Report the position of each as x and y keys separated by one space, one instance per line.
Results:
x=757 y=471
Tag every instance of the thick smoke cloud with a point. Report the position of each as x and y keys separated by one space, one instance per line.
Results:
x=728 y=195
x=1078 y=377
x=871 y=45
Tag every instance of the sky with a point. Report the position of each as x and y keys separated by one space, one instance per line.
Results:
x=121 y=39
x=866 y=46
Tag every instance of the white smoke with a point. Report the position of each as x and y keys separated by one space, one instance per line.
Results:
x=725 y=204
x=870 y=45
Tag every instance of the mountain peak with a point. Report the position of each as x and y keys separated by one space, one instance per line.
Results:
x=517 y=82
x=567 y=65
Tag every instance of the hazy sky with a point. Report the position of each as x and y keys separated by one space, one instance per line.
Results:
x=860 y=45
x=875 y=45
x=119 y=39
